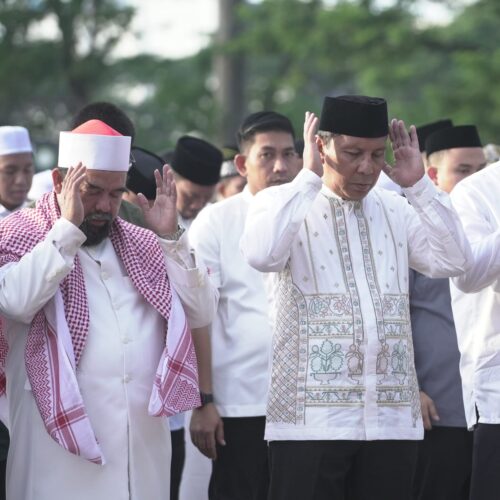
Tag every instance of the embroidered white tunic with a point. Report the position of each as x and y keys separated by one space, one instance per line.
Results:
x=241 y=332
x=115 y=373
x=476 y=296
x=342 y=363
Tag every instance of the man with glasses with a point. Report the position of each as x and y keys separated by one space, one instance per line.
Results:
x=229 y=427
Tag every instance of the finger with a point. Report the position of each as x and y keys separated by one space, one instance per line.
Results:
x=143 y=203
x=313 y=125
x=306 y=120
x=159 y=182
x=426 y=419
x=210 y=447
x=219 y=433
x=414 y=137
x=433 y=411
x=392 y=132
x=403 y=133
x=168 y=180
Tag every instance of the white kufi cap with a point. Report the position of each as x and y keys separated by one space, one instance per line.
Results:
x=96 y=145
x=14 y=140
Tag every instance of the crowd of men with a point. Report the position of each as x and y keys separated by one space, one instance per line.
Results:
x=331 y=319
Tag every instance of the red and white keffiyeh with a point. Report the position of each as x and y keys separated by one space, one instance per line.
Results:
x=58 y=332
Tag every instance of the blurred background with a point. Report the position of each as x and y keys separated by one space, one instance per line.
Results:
x=198 y=66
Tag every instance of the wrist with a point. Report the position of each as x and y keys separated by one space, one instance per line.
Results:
x=174 y=235
x=206 y=398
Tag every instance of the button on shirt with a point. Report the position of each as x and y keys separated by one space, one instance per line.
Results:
x=241 y=333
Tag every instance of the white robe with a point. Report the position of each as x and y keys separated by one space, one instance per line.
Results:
x=115 y=373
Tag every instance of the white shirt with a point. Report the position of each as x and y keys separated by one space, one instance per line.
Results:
x=342 y=363
x=476 y=295
x=241 y=333
x=4 y=212
x=115 y=374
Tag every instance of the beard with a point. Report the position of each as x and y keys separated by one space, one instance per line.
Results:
x=95 y=234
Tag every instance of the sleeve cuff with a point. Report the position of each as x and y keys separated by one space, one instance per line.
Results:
x=66 y=237
x=308 y=178
x=422 y=192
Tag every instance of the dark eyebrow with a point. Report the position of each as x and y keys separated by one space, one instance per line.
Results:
x=93 y=186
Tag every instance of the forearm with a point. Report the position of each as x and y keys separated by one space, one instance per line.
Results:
x=189 y=277
x=274 y=219
x=437 y=243
x=203 y=348
x=486 y=268
x=27 y=285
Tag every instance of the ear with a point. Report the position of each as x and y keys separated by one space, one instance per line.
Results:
x=57 y=180
x=240 y=164
x=432 y=172
x=321 y=148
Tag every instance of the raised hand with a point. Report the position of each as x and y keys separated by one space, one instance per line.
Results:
x=70 y=200
x=408 y=165
x=312 y=160
x=162 y=216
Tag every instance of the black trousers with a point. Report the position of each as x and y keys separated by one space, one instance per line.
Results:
x=341 y=470
x=444 y=465
x=4 y=449
x=177 y=464
x=485 y=482
x=241 y=471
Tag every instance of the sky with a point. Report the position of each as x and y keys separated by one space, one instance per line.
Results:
x=179 y=28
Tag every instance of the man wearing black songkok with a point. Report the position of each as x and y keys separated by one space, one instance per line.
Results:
x=343 y=415
x=197 y=165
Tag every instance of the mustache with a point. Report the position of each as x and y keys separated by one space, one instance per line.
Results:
x=99 y=217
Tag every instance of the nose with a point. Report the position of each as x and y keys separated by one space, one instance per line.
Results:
x=22 y=178
x=366 y=165
x=280 y=164
x=103 y=203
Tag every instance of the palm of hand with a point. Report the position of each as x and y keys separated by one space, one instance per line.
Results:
x=408 y=165
x=162 y=217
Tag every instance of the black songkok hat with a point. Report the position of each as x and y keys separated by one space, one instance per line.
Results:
x=355 y=115
x=140 y=177
x=463 y=136
x=426 y=130
x=197 y=160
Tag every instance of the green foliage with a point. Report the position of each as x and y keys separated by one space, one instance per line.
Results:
x=296 y=52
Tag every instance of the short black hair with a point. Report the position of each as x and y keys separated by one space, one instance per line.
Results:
x=262 y=121
x=107 y=112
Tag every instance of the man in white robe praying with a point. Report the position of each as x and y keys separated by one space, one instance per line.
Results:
x=95 y=317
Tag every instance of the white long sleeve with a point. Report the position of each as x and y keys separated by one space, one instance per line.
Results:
x=435 y=242
x=26 y=286
x=477 y=213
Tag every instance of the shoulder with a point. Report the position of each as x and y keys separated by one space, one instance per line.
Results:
x=483 y=184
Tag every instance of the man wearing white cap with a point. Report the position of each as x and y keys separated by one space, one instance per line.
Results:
x=16 y=168
x=95 y=345
x=16 y=174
